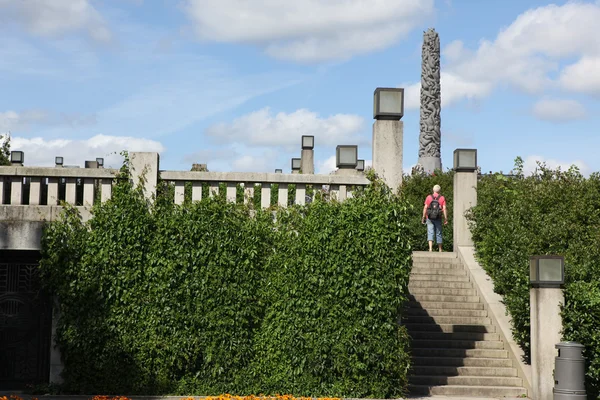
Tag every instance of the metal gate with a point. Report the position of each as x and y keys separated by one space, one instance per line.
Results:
x=25 y=322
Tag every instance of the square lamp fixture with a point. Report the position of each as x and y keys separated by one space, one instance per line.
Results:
x=346 y=156
x=279 y=171
x=59 y=161
x=91 y=164
x=100 y=162
x=17 y=157
x=388 y=104
x=360 y=165
x=308 y=142
x=465 y=160
x=295 y=164
x=547 y=271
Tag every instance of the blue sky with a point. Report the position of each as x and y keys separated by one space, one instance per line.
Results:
x=235 y=83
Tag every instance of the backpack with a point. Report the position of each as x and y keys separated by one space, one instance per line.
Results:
x=434 y=210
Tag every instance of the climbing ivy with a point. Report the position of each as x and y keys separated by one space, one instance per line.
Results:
x=547 y=212
x=213 y=297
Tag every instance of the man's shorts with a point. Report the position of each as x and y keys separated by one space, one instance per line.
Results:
x=434 y=227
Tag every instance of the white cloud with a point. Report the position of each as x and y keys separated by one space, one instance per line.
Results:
x=326 y=166
x=454 y=89
x=55 y=18
x=583 y=76
x=41 y=152
x=557 y=110
x=526 y=55
x=308 y=30
x=530 y=164
x=262 y=128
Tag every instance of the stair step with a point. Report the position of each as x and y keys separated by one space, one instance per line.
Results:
x=446 y=299
x=462 y=362
x=440 y=284
x=437 y=271
x=445 y=312
x=433 y=380
x=422 y=335
x=441 y=278
x=463 y=371
x=446 y=291
x=449 y=328
x=456 y=344
x=467 y=391
x=444 y=352
x=449 y=263
x=448 y=320
x=443 y=305
x=437 y=255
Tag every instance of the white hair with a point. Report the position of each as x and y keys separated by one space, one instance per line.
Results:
x=436 y=189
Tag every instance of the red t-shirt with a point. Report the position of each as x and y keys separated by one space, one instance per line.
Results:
x=440 y=198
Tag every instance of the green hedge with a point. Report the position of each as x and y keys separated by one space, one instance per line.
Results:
x=212 y=297
x=549 y=212
x=415 y=189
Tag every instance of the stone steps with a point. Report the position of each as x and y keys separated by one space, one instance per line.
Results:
x=462 y=362
x=458 y=344
x=455 y=348
x=445 y=312
x=464 y=371
x=467 y=391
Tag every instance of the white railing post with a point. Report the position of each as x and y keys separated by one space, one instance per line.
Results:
x=196 y=191
x=35 y=191
x=16 y=191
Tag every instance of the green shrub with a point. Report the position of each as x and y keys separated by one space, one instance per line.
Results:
x=212 y=297
x=415 y=189
x=549 y=212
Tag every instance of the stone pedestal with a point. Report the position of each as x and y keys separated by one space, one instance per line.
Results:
x=144 y=166
x=430 y=164
x=465 y=197
x=387 y=151
x=546 y=325
x=307 y=161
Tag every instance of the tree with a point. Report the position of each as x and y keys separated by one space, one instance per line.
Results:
x=5 y=149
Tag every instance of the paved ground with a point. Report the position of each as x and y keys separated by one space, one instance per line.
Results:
x=50 y=397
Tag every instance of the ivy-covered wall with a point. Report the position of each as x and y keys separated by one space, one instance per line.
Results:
x=548 y=212
x=212 y=297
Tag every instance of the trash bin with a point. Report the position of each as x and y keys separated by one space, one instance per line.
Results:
x=569 y=372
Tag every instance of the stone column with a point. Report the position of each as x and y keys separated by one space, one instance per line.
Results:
x=430 y=136
x=387 y=151
x=546 y=327
x=307 y=161
x=465 y=197
x=144 y=166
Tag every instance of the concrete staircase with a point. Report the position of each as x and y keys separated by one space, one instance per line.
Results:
x=455 y=348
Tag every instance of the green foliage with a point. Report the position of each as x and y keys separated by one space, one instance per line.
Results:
x=211 y=297
x=415 y=189
x=549 y=212
x=4 y=150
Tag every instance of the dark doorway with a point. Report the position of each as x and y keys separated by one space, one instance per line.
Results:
x=25 y=321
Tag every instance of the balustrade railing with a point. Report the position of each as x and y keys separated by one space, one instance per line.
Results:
x=40 y=186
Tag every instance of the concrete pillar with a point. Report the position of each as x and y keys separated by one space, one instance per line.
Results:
x=546 y=327
x=56 y=365
x=465 y=197
x=307 y=161
x=144 y=165
x=387 y=151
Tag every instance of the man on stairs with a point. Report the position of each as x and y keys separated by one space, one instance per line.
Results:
x=435 y=206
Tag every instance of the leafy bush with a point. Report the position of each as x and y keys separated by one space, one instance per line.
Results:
x=549 y=212
x=213 y=297
x=415 y=189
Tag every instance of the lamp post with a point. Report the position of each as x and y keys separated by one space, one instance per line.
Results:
x=100 y=162
x=17 y=158
x=546 y=278
x=307 y=156
x=279 y=171
x=388 y=132
x=360 y=165
x=296 y=165
x=465 y=194
x=59 y=161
